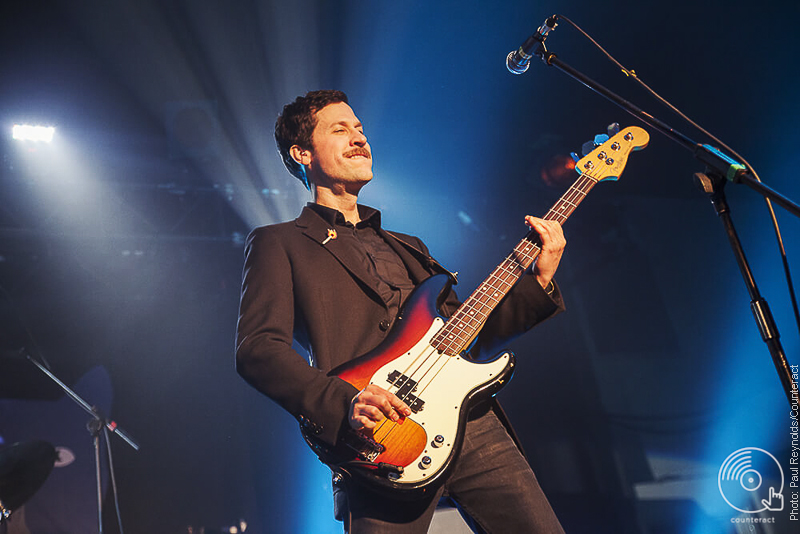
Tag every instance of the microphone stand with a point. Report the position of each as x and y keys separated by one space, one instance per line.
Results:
x=98 y=423
x=719 y=167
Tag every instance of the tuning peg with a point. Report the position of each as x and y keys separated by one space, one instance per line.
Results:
x=588 y=146
x=575 y=156
x=613 y=129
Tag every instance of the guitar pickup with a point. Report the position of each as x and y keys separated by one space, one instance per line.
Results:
x=405 y=387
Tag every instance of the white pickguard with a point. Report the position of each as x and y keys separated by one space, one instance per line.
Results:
x=443 y=383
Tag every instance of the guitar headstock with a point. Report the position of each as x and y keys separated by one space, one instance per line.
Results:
x=608 y=160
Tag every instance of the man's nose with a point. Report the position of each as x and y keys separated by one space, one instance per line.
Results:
x=358 y=138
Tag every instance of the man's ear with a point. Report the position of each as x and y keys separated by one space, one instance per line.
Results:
x=300 y=155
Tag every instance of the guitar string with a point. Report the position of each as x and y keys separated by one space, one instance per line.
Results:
x=498 y=282
x=408 y=378
x=501 y=281
x=405 y=397
x=448 y=359
x=514 y=274
x=435 y=362
x=419 y=394
x=511 y=268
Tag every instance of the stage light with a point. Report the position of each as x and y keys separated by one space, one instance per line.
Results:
x=26 y=132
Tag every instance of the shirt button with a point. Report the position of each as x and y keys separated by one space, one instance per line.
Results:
x=384 y=325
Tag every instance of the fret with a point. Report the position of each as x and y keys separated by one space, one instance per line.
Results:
x=453 y=336
x=492 y=298
x=566 y=204
x=500 y=280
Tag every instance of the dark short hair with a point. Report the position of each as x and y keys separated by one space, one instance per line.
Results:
x=297 y=122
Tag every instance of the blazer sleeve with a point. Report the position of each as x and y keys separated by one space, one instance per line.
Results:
x=525 y=306
x=264 y=354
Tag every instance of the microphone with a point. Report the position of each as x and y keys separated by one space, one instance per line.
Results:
x=519 y=60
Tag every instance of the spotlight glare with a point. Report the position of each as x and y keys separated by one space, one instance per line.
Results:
x=26 y=132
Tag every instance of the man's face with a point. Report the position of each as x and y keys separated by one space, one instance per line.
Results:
x=340 y=154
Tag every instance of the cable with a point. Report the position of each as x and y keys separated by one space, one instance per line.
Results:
x=113 y=478
x=635 y=77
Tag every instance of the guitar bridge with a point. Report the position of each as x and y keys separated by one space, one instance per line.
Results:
x=365 y=447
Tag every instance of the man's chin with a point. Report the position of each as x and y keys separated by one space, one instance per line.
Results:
x=354 y=183
x=363 y=178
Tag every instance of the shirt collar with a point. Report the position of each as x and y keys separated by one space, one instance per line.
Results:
x=369 y=216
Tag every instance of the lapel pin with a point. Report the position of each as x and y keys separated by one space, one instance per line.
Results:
x=331 y=235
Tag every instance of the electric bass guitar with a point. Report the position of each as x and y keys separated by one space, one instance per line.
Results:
x=423 y=359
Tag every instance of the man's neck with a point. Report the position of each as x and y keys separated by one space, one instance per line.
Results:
x=346 y=203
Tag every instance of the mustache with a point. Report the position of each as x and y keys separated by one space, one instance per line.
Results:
x=358 y=152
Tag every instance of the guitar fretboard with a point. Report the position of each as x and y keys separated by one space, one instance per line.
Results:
x=465 y=324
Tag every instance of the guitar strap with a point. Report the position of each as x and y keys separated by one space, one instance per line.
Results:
x=421 y=257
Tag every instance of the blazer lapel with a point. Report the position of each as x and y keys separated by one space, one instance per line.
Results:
x=316 y=228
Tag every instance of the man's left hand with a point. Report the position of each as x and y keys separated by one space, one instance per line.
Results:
x=553 y=243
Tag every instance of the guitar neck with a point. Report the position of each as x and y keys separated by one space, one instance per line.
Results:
x=465 y=324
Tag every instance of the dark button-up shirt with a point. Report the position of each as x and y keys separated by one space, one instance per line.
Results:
x=378 y=258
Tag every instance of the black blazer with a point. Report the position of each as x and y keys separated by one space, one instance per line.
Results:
x=296 y=288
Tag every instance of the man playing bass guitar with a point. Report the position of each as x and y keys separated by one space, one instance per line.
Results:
x=337 y=283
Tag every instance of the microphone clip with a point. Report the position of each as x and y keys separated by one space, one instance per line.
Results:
x=519 y=60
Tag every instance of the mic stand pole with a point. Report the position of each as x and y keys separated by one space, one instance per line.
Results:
x=713 y=185
x=94 y=426
x=721 y=166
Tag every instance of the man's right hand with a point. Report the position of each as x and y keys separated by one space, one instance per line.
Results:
x=372 y=404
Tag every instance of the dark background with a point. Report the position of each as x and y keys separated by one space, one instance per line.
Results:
x=121 y=242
